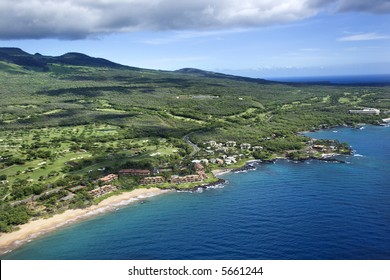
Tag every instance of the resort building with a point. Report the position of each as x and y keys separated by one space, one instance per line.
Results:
x=102 y=190
x=185 y=179
x=367 y=111
x=108 y=178
x=202 y=174
x=198 y=167
x=134 y=172
x=152 y=180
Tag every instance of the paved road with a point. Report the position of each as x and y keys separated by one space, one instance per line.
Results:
x=194 y=146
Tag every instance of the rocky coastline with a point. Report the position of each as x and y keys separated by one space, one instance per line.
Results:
x=203 y=187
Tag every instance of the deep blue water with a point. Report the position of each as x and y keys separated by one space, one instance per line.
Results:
x=383 y=79
x=310 y=210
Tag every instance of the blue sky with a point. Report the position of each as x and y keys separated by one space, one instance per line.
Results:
x=260 y=38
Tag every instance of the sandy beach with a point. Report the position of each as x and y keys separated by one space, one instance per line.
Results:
x=32 y=229
x=220 y=171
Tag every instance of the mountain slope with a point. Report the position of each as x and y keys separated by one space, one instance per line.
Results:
x=210 y=74
x=40 y=62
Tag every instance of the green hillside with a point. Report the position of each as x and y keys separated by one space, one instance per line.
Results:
x=68 y=120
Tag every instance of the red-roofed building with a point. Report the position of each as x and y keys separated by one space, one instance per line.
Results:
x=152 y=180
x=198 y=167
x=102 y=190
x=134 y=172
x=108 y=178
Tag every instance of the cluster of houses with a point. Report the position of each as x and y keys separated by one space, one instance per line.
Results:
x=174 y=179
x=224 y=159
x=198 y=177
x=146 y=179
x=106 y=188
x=325 y=150
x=213 y=148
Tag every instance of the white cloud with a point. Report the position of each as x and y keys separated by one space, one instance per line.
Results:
x=77 y=19
x=364 y=37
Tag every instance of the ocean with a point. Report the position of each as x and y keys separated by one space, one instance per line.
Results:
x=383 y=79
x=305 y=211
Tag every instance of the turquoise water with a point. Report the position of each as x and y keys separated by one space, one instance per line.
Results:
x=286 y=210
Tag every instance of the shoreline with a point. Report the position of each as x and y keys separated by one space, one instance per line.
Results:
x=36 y=228
x=33 y=229
x=39 y=227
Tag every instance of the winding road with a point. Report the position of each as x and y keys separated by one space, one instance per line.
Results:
x=195 y=148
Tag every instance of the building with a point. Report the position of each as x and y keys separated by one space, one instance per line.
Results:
x=202 y=175
x=102 y=190
x=222 y=149
x=318 y=146
x=231 y=144
x=134 y=172
x=108 y=178
x=387 y=120
x=367 y=111
x=198 y=167
x=245 y=146
x=231 y=159
x=211 y=143
x=152 y=180
x=185 y=179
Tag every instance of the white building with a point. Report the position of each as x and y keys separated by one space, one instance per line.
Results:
x=245 y=146
x=231 y=144
x=367 y=111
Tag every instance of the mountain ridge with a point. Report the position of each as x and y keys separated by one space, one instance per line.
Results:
x=41 y=62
